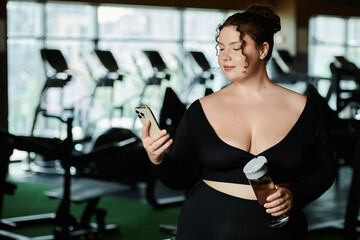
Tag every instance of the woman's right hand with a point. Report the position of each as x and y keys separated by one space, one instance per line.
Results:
x=155 y=145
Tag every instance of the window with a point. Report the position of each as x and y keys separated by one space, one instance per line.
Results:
x=138 y=23
x=69 y=28
x=126 y=32
x=69 y=21
x=76 y=29
x=201 y=25
x=24 y=73
x=332 y=36
x=353 y=40
x=29 y=24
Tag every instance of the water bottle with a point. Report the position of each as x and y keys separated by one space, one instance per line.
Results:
x=257 y=173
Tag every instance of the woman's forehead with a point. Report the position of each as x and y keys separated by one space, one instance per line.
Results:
x=229 y=34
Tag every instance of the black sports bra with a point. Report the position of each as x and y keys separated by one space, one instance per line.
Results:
x=303 y=156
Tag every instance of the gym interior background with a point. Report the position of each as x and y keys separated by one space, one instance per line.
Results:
x=94 y=61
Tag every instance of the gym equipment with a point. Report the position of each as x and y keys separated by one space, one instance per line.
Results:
x=204 y=76
x=344 y=73
x=171 y=112
x=113 y=74
x=169 y=230
x=159 y=67
x=66 y=226
x=103 y=62
x=135 y=167
x=57 y=75
x=203 y=63
x=280 y=69
x=160 y=72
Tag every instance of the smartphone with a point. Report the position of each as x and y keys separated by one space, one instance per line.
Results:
x=144 y=114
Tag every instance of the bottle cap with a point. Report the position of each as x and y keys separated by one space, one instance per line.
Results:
x=256 y=168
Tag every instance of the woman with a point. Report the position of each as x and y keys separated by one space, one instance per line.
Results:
x=221 y=132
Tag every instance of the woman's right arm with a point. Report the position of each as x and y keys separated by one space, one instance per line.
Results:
x=179 y=169
x=156 y=145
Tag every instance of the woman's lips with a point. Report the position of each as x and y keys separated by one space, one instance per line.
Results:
x=228 y=68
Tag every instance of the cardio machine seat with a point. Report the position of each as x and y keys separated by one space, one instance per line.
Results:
x=86 y=189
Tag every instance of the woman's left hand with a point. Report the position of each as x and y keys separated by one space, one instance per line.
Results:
x=279 y=202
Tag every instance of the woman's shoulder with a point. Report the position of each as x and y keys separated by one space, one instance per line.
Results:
x=306 y=109
x=213 y=98
x=295 y=100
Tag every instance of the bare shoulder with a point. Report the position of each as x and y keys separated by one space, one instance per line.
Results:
x=212 y=99
x=294 y=100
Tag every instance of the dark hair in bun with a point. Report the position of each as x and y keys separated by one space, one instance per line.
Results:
x=268 y=13
x=260 y=22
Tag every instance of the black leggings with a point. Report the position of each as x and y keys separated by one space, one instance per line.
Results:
x=208 y=214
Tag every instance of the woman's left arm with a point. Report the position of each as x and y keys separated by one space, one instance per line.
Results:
x=319 y=173
x=317 y=178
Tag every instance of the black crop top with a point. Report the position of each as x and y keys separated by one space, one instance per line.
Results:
x=303 y=157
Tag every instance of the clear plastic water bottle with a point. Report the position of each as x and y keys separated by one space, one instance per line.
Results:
x=257 y=173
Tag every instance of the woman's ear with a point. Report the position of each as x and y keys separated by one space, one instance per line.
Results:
x=264 y=50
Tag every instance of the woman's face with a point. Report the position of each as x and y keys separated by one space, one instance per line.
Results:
x=232 y=59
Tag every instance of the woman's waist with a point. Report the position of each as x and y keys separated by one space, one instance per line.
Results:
x=244 y=191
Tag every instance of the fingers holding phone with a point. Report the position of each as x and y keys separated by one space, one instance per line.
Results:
x=155 y=145
x=155 y=140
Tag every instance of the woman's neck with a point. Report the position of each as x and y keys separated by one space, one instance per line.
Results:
x=253 y=85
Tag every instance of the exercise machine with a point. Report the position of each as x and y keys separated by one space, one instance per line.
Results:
x=73 y=190
x=112 y=75
x=201 y=75
x=345 y=86
x=58 y=76
x=280 y=69
x=160 y=72
x=206 y=73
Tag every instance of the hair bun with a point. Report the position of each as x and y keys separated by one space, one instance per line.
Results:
x=269 y=13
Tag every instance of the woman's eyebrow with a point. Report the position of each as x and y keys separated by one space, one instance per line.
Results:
x=231 y=43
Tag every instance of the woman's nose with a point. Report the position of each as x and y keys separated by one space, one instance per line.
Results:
x=225 y=56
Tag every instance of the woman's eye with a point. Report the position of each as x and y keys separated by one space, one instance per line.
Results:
x=236 y=49
x=221 y=49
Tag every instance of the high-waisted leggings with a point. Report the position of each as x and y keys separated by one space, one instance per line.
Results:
x=208 y=214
